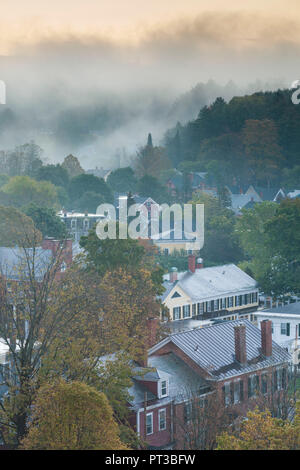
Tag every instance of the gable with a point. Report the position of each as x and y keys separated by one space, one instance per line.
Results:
x=176 y=294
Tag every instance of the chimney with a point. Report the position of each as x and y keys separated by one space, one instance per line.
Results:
x=192 y=263
x=173 y=275
x=199 y=263
x=266 y=337
x=152 y=326
x=240 y=343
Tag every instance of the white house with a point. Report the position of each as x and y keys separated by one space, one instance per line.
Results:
x=206 y=293
x=285 y=327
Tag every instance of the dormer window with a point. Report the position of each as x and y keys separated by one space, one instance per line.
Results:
x=63 y=267
x=164 y=392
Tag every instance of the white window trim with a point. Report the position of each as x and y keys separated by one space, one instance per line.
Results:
x=149 y=414
x=160 y=388
x=163 y=410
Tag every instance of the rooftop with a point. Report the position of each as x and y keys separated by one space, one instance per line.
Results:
x=213 y=349
x=290 y=309
x=211 y=282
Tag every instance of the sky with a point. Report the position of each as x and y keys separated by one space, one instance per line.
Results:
x=143 y=54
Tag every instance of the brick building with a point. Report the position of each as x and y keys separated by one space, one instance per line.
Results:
x=233 y=362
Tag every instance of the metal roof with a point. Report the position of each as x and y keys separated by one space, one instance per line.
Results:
x=293 y=309
x=213 y=349
x=213 y=282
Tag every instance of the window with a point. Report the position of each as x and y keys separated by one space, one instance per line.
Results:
x=275 y=380
x=227 y=393
x=149 y=423
x=163 y=388
x=187 y=412
x=186 y=311
x=237 y=300
x=264 y=383
x=253 y=385
x=194 y=312
x=283 y=379
x=86 y=224
x=298 y=328
x=166 y=251
x=230 y=302
x=285 y=329
x=216 y=305
x=241 y=390
x=175 y=295
x=162 y=420
x=176 y=313
x=236 y=393
x=223 y=304
x=200 y=309
x=73 y=223
x=63 y=267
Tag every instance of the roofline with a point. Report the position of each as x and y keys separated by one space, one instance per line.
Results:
x=159 y=345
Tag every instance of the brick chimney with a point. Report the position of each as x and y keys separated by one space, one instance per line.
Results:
x=192 y=263
x=173 y=275
x=240 y=343
x=152 y=326
x=266 y=338
x=199 y=263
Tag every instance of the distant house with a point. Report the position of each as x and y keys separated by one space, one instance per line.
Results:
x=293 y=194
x=99 y=172
x=266 y=194
x=206 y=293
x=231 y=363
x=285 y=327
x=243 y=201
x=78 y=224
x=15 y=261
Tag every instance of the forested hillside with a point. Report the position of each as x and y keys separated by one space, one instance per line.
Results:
x=250 y=139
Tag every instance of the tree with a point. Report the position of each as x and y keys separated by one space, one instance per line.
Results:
x=44 y=306
x=126 y=302
x=89 y=202
x=151 y=187
x=203 y=419
x=56 y=174
x=17 y=229
x=3 y=180
x=262 y=432
x=220 y=241
x=23 y=190
x=151 y=160
x=72 y=416
x=72 y=165
x=122 y=180
x=46 y=220
x=262 y=149
x=24 y=160
x=89 y=183
x=108 y=255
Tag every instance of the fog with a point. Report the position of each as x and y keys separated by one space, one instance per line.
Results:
x=96 y=97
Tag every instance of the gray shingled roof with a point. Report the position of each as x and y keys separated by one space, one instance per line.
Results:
x=212 y=348
x=211 y=283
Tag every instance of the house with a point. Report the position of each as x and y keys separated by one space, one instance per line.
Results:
x=14 y=260
x=293 y=194
x=168 y=243
x=241 y=201
x=266 y=194
x=206 y=293
x=78 y=224
x=285 y=327
x=99 y=172
x=230 y=364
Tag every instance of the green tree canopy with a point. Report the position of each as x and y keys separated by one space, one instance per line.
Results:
x=23 y=190
x=56 y=174
x=84 y=183
x=46 y=221
x=17 y=229
x=122 y=180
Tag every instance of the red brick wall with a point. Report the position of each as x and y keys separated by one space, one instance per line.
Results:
x=158 y=438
